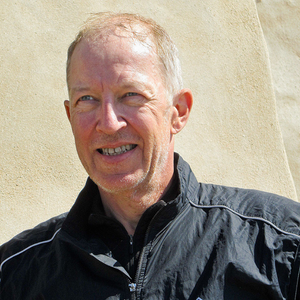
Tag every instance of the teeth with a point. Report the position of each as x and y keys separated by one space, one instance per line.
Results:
x=118 y=150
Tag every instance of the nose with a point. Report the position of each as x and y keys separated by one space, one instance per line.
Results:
x=109 y=119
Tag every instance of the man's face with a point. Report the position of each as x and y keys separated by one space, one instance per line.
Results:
x=120 y=115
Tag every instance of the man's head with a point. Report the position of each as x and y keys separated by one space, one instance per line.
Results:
x=142 y=29
x=120 y=110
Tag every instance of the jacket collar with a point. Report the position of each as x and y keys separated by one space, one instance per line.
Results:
x=77 y=220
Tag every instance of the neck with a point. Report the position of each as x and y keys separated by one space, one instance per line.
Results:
x=128 y=207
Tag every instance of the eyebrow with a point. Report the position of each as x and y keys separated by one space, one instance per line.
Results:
x=135 y=84
x=79 y=89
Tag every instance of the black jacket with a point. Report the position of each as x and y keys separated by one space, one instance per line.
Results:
x=211 y=242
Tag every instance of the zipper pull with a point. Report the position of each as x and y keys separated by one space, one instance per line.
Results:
x=132 y=287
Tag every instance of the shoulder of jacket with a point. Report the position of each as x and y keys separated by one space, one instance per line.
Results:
x=41 y=234
x=278 y=211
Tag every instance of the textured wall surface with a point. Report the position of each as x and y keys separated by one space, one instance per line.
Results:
x=233 y=136
x=280 y=22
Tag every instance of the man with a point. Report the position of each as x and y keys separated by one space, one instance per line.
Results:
x=143 y=227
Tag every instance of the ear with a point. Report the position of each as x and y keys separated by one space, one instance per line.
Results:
x=67 y=107
x=182 y=105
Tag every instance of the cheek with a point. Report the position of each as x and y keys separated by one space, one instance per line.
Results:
x=82 y=124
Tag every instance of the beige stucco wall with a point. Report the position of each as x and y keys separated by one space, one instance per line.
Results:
x=280 y=23
x=233 y=137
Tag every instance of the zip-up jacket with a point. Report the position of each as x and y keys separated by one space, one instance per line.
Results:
x=211 y=242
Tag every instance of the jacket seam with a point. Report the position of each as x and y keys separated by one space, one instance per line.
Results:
x=27 y=248
x=245 y=217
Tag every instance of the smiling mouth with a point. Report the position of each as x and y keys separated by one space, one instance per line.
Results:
x=116 y=151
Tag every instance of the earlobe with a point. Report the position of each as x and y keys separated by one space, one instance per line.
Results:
x=183 y=102
x=67 y=107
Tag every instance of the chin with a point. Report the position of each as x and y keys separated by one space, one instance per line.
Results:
x=121 y=184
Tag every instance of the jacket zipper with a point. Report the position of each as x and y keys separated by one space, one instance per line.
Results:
x=133 y=285
x=132 y=289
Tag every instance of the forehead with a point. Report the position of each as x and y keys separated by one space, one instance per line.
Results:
x=111 y=51
x=113 y=57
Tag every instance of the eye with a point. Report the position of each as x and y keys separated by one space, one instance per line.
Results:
x=131 y=94
x=86 y=98
x=133 y=99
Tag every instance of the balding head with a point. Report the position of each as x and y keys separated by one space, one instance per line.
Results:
x=101 y=25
